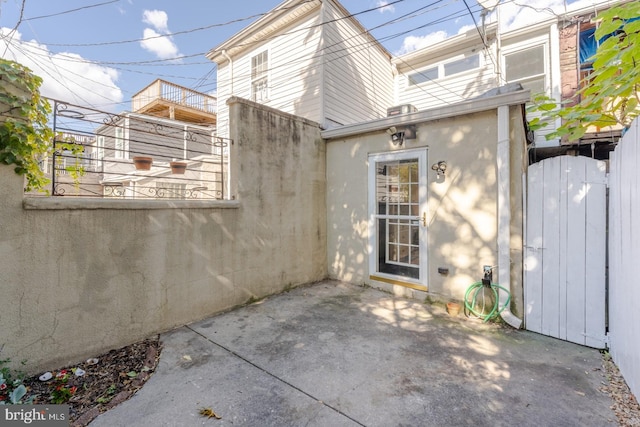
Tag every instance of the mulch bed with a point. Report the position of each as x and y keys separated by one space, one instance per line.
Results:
x=114 y=378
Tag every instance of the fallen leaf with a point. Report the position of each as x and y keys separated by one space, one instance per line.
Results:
x=208 y=412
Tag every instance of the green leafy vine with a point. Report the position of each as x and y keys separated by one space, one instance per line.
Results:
x=25 y=137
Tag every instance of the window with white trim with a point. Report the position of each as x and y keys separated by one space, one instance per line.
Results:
x=119 y=154
x=423 y=76
x=443 y=70
x=259 y=77
x=461 y=65
x=527 y=67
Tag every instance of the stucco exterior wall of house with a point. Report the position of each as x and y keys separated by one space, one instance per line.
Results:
x=462 y=207
x=84 y=276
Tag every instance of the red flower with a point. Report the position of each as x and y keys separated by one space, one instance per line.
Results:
x=3 y=386
x=61 y=373
x=73 y=389
x=3 y=397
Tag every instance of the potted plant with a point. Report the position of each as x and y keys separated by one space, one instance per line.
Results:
x=178 y=167
x=453 y=308
x=142 y=163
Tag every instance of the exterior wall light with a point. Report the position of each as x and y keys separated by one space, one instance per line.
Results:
x=397 y=137
x=439 y=167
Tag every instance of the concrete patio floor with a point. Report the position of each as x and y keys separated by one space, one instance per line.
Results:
x=334 y=354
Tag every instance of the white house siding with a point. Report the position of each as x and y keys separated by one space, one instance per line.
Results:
x=295 y=63
x=293 y=73
x=223 y=93
x=545 y=35
x=446 y=90
x=358 y=79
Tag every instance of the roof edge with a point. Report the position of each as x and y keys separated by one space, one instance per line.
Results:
x=461 y=108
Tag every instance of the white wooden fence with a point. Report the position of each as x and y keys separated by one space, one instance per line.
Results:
x=624 y=257
x=565 y=250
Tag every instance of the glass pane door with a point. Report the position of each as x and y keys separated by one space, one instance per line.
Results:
x=398 y=212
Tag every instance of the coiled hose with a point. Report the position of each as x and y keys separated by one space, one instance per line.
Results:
x=471 y=301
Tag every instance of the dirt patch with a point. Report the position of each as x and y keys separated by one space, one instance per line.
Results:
x=108 y=380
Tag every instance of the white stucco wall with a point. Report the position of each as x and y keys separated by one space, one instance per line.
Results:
x=462 y=207
x=84 y=276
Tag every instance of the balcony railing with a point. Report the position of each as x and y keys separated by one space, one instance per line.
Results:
x=95 y=153
x=173 y=94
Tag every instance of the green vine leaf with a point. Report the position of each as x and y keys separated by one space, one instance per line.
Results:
x=25 y=137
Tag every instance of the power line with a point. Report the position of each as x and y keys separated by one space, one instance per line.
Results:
x=69 y=11
x=189 y=31
x=200 y=83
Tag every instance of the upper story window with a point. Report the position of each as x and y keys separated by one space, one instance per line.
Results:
x=527 y=67
x=423 y=76
x=259 y=77
x=445 y=70
x=461 y=65
x=120 y=144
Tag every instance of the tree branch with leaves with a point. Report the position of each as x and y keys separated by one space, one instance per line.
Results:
x=609 y=96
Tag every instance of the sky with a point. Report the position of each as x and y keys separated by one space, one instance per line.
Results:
x=99 y=53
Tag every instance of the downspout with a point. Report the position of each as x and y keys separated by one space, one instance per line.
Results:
x=226 y=55
x=324 y=123
x=504 y=216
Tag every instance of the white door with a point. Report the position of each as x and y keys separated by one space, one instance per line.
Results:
x=565 y=250
x=398 y=217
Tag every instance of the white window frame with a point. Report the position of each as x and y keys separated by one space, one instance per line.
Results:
x=119 y=143
x=440 y=67
x=520 y=47
x=260 y=78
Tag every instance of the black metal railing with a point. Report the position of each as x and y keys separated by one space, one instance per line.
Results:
x=133 y=156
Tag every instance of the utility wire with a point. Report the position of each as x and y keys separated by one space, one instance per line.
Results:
x=189 y=31
x=167 y=62
x=69 y=11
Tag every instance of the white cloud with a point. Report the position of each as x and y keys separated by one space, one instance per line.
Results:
x=385 y=6
x=158 y=19
x=412 y=43
x=65 y=76
x=513 y=15
x=158 y=40
x=520 y=14
x=466 y=28
x=161 y=46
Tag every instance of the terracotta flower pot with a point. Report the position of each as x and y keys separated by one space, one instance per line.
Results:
x=142 y=163
x=453 y=308
x=178 y=167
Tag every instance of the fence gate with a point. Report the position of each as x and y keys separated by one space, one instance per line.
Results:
x=565 y=250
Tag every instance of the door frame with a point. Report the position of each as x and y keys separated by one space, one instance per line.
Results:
x=373 y=159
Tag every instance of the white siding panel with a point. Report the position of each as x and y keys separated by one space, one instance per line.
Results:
x=358 y=75
x=624 y=253
x=295 y=63
x=551 y=253
x=533 y=249
x=223 y=93
x=565 y=242
x=450 y=89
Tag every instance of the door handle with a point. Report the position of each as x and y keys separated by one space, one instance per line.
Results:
x=424 y=219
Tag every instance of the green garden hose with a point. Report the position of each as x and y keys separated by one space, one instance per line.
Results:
x=470 y=304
